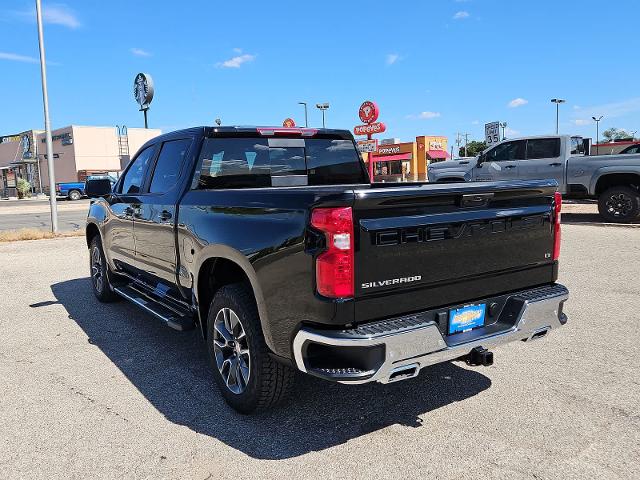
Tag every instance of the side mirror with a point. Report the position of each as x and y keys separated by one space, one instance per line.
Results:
x=481 y=159
x=98 y=187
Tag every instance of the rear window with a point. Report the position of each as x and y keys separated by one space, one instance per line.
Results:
x=259 y=162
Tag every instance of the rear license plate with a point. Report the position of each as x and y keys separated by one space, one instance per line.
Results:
x=466 y=318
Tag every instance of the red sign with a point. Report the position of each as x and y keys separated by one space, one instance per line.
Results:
x=370 y=129
x=368 y=112
x=289 y=123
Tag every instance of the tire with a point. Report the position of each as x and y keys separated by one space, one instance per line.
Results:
x=248 y=378
x=619 y=204
x=100 y=273
x=74 y=195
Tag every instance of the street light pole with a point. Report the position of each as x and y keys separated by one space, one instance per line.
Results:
x=47 y=123
x=503 y=125
x=306 y=120
x=557 y=101
x=597 y=120
x=322 y=107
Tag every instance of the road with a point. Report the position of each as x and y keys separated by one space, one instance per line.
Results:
x=104 y=391
x=36 y=214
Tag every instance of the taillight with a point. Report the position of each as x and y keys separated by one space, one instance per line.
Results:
x=334 y=267
x=557 y=202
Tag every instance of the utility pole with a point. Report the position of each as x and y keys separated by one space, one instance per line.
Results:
x=47 y=123
x=557 y=101
x=466 y=141
x=503 y=125
x=323 y=107
x=306 y=121
x=597 y=120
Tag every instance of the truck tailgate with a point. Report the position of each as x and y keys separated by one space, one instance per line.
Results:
x=430 y=245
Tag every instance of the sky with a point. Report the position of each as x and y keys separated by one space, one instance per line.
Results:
x=434 y=67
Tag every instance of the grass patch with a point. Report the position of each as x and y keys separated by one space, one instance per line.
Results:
x=35 y=234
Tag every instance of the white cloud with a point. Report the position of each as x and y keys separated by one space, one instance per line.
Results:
x=461 y=15
x=611 y=110
x=14 y=57
x=237 y=50
x=577 y=107
x=510 y=132
x=582 y=121
x=138 y=52
x=236 y=62
x=53 y=13
x=475 y=122
x=517 y=102
x=60 y=14
x=392 y=58
x=425 y=115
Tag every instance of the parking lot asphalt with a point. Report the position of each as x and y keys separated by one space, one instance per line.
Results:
x=104 y=391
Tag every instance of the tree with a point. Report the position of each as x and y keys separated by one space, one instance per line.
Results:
x=474 y=148
x=612 y=134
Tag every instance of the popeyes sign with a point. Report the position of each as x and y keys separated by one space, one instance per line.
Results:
x=368 y=113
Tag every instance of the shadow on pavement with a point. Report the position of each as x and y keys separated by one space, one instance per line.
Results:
x=581 y=218
x=170 y=369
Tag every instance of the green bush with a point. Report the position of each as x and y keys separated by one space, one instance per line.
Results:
x=24 y=188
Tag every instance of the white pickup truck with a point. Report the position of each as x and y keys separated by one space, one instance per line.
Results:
x=612 y=179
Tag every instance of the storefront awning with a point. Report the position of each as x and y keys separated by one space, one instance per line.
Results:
x=387 y=158
x=437 y=154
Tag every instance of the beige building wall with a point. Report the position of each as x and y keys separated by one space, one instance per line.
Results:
x=91 y=148
x=140 y=136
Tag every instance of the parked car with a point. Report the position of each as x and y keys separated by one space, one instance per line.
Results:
x=273 y=243
x=614 y=180
x=71 y=190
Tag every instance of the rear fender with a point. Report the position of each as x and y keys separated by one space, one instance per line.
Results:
x=235 y=256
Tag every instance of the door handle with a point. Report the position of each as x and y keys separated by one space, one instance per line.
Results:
x=555 y=164
x=165 y=215
x=509 y=166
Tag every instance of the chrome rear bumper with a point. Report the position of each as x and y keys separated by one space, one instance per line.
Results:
x=404 y=346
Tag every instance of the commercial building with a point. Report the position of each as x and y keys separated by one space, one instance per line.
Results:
x=78 y=151
x=406 y=161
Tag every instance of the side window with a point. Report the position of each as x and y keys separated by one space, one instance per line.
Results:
x=169 y=164
x=134 y=178
x=507 y=151
x=543 y=148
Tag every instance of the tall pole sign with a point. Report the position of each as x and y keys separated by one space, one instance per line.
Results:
x=143 y=93
x=368 y=114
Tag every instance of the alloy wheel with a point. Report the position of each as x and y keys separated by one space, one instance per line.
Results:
x=231 y=349
x=97 y=269
x=619 y=205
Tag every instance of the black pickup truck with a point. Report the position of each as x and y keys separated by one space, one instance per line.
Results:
x=275 y=245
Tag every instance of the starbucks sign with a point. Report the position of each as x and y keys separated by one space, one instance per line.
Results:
x=143 y=90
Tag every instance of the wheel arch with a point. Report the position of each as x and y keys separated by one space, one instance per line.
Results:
x=91 y=231
x=607 y=178
x=219 y=265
